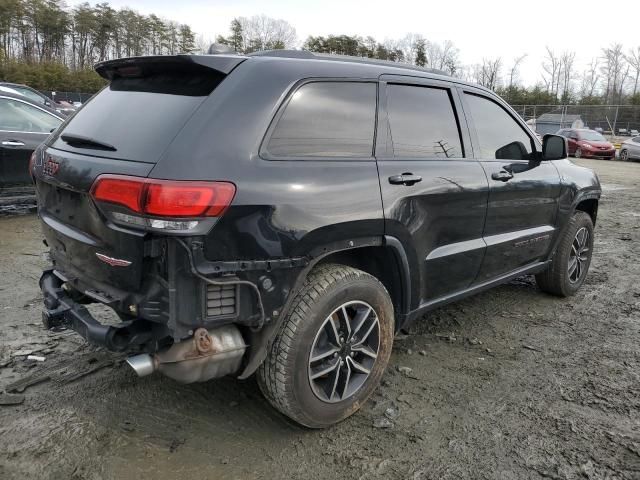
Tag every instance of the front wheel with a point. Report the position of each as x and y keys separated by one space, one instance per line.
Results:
x=578 y=153
x=570 y=264
x=332 y=348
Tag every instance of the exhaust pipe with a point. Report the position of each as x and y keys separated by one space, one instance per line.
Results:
x=208 y=354
x=142 y=364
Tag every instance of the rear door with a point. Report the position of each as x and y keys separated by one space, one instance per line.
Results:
x=523 y=191
x=22 y=128
x=434 y=193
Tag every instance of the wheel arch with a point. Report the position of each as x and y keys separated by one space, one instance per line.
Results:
x=589 y=206
x=383 y=257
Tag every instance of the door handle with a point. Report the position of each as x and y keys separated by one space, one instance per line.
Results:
x=406 y=178
x=502 y=176
x=12 y=143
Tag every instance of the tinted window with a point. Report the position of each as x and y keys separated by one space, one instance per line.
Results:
x=423 y=123
x=327 y=119
x=636 y=139
x=22 y=117
x=141 y=114
x=499 y=135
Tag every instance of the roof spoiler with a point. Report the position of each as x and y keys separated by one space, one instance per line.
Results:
x=221 y=63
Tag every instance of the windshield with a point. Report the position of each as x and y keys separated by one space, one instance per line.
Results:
x=592 y=135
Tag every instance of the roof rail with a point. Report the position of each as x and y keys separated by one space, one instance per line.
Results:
x=305 y=54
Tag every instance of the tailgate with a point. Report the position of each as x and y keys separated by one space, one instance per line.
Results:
x=77 y=233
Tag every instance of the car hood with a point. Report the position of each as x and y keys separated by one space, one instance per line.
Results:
x=597 y=144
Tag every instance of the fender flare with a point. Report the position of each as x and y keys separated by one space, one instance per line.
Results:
x=262 y=339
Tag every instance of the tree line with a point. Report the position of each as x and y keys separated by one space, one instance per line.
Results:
x=63 y=43
x=53 y=47
x=612 y=77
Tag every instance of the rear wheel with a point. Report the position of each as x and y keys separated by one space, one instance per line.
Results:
x=332 y=348
x=624 y=155
x=570 y=264
x=578 y=153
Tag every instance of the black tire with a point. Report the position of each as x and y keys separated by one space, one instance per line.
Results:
x=558 y=279
x=285 y=377
x=624 y=155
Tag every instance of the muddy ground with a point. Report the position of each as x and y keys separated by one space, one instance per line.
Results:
x=510 y=384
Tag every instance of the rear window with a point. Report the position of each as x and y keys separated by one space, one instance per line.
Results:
x=326 y=119
x=141 y=113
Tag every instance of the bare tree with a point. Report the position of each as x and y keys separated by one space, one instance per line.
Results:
x=265 y=33
x=590 y=79
x=551 y=67
x=613 y=70
x=488 y=73
x=566 y=72
x=634 y=62
x=513 y=72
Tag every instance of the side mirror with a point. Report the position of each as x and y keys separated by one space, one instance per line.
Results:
x=554 y=147
x=512 y=151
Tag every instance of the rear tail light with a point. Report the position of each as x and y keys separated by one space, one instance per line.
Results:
x=155 y=201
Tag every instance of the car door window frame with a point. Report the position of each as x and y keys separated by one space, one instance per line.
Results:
x=30 y=105
x=263 y=151
x=384 y=144
x=536 y=146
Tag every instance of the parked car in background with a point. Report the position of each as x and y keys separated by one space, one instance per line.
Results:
x=23 y=126
x=588 y=143
x=65 y=108
x=630 y=149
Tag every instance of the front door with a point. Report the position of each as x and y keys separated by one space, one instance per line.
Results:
x=22 y=128
x=434 y=194
x=523 y=191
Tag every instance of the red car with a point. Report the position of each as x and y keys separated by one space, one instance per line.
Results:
x=588 y=144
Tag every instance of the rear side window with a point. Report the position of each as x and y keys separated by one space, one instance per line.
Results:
x=499 y=135
x=423 y=123
x=141 y=113
x=326 y=119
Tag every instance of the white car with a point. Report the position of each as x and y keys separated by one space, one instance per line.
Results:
x=630 y=149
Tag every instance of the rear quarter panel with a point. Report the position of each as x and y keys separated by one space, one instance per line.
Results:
x=281 y=208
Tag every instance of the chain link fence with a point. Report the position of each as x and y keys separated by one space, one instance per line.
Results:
x=614 y=120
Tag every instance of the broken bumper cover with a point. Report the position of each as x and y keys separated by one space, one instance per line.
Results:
x=61 y=311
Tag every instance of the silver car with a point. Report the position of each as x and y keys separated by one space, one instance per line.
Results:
x=630 y=149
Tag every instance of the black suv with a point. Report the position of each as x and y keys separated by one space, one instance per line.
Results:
x=288 y=213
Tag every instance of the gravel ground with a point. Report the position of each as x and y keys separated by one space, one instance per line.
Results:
x=509 y=384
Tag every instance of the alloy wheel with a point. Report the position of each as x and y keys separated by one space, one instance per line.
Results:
x=579 y=255
x=624 y=155
x=578 y=153
x=344 y=351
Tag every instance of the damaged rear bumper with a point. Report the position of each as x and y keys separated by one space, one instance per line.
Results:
x=62 y=311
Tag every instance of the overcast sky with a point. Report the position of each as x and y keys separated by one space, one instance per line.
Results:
x=479 y=28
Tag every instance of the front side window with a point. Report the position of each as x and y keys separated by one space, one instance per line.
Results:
x=18 y=116
x=326 y=119
x=422 y=122
x=499 y=135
